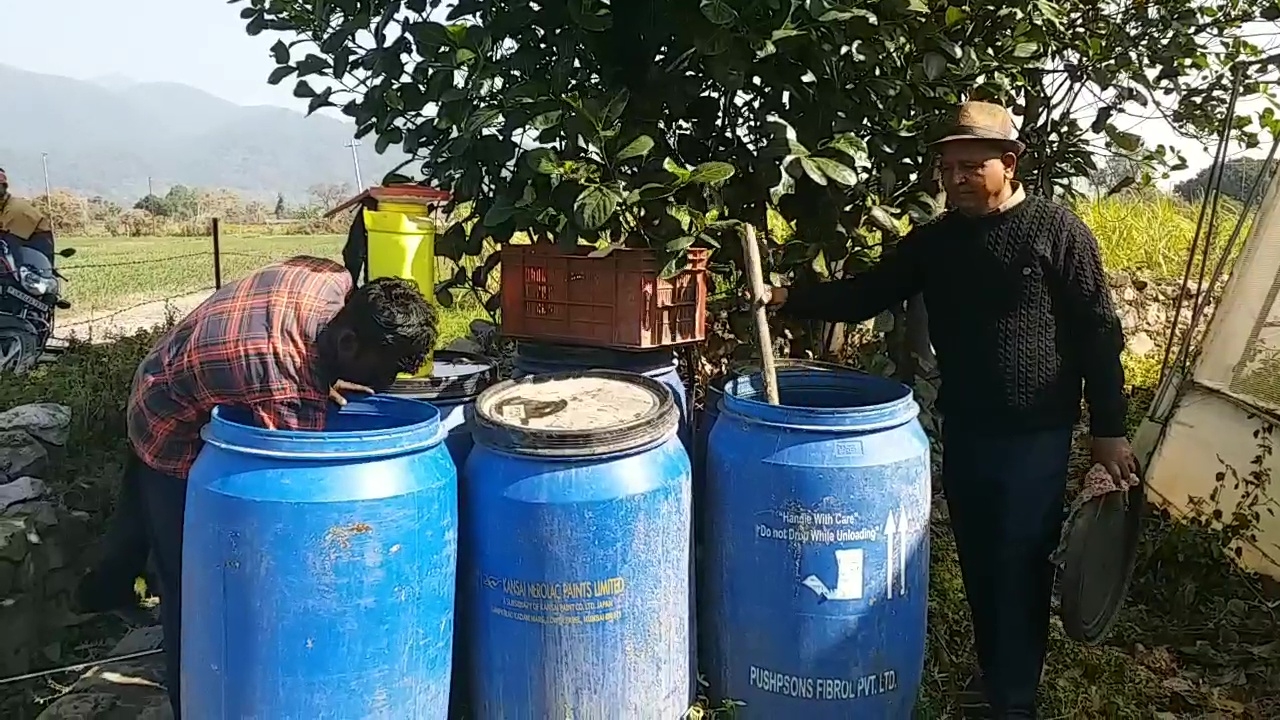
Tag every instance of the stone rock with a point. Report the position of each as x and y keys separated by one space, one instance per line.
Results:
x=124 y=690
x=139 y=640
x=1128 y=318
x=14 y=539
x=49 y=422
x=1141 y=344
x=20 y=454
x=116 y=691
x=1156 y=317
x=20 y=491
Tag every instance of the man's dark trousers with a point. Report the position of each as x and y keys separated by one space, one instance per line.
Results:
x=122 y=552
x=1005 y=494
x=164 y=502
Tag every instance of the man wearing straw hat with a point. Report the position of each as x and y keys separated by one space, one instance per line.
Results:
x=1021 y=320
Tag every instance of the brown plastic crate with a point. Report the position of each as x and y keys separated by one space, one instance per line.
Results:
x=615 y=301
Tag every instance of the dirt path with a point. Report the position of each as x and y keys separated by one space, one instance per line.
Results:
x=102 y=326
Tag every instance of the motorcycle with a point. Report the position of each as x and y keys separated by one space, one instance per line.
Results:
x=30 y=292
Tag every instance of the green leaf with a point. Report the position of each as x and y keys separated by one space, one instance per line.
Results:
x=763 y=48
x=501 y=212
x=637 y=148
x=322 y=100
x=681 y=243
x=935 y=66
x=1126 y=141
x=712 y=172
x=546 y=120
x=718 y=12
x=430 y=35
x=591 y=21
x=1025 y=50
x=280 y=52
x=812 y=170
x=616 y=106
x=675 y=264
x=674 y=168
x=784 y=33
x=279 y=74
x=918 y=6
x=956 y=15
x=594 y=207
x=836 y=171
x=542 y=161
x=882 y=220
x=850 y=145
x=303 y=90
x=444 y=296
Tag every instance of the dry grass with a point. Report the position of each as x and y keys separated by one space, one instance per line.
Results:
x=1151 y=234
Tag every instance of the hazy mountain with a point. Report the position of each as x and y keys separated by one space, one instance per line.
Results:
x=108 y=135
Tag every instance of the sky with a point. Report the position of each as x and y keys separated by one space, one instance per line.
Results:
x=202 y=43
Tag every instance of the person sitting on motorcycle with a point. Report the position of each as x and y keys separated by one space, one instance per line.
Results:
x=23 y=220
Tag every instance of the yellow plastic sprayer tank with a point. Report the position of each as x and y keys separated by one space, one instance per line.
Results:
x=402 y=244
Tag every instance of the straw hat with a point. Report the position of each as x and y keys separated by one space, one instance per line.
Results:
x=983 y=121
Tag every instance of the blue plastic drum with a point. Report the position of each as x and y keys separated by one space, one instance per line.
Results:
x=577 y=569
x=456 y=379
x=815 y=585
x=318 y=567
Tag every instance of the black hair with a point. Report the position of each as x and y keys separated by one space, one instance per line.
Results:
x=391 y=313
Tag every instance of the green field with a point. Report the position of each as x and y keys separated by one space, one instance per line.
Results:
x=109 y=274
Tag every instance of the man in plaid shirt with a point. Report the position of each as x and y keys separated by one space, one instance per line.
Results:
x=280 y=343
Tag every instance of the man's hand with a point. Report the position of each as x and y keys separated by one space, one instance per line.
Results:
x=335 y=392
x=1116 y=456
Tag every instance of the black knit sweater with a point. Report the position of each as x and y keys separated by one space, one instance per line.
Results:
x=1019 y=315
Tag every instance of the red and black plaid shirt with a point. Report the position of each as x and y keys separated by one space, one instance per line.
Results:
x=252 y=344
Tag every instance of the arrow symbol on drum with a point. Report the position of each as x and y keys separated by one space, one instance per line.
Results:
x=890 y=537
x=902 y=552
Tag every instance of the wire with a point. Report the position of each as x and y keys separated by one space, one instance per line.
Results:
x=79 y=666
x=92 y=320
x=124 y=263
x=170 y=258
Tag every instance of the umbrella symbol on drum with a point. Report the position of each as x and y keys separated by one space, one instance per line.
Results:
x=848 y=578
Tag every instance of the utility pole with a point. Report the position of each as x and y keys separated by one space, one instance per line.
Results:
x=355 y=162
x=149 y=190
x=48 y=194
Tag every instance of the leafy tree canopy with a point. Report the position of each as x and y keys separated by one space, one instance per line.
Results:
x=658 y=122
x=1238 y=177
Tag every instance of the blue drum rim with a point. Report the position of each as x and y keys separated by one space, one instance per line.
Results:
x=656 y=361
x=716 y=385
x=744 y=397
x=456 y=388
x=236 y=437
x=636 y=435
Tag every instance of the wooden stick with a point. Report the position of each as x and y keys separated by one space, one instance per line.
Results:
x=755 y=274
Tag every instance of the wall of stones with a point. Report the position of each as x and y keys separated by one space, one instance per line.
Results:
x=39 y=542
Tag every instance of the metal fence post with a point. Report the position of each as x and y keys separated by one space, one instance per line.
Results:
x=217 y=255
